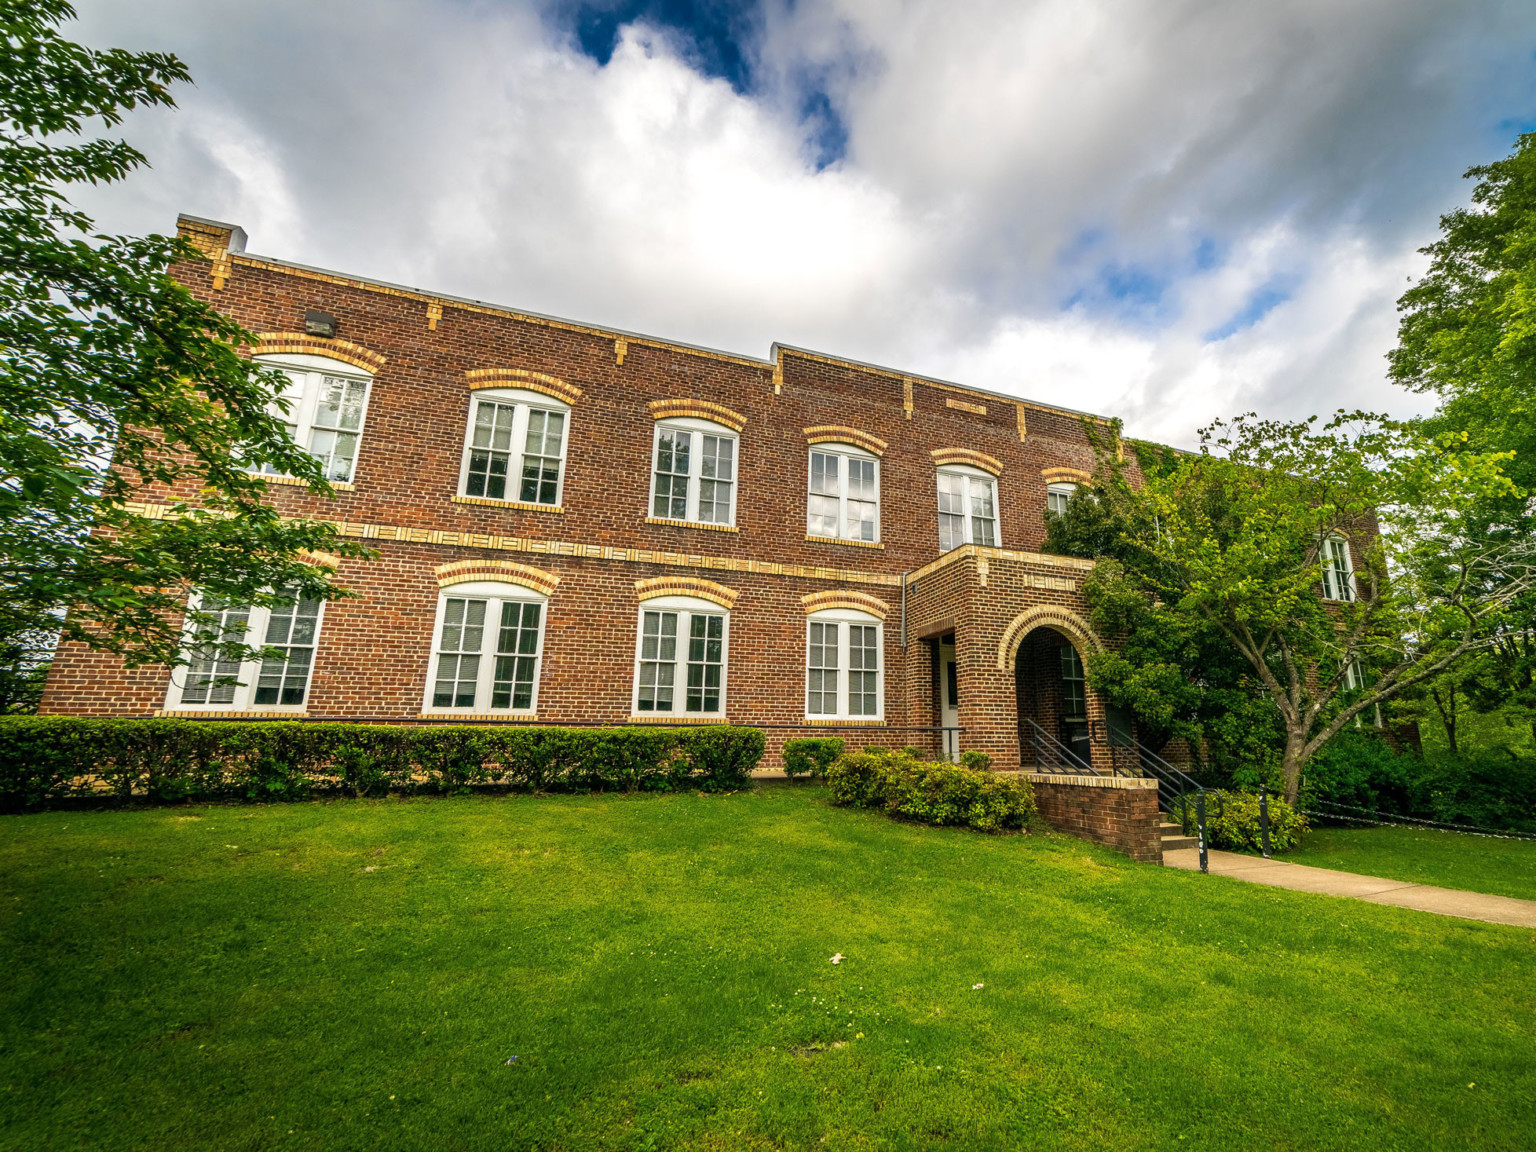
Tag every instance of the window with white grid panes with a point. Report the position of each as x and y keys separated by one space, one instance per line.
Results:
x=1057 y=496
x=488 y=649
x=693 y=472
x=844 y=498
x=327 y=403
x=514 y=448
x=287 y=633
x=967 y=508
x=1338 y=569
x=680 y=658
x=843 y=666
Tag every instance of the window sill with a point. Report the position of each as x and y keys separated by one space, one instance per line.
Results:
x=845 y=543
x=516 y=505
x=652 y=718
x=234 y=713
x=295 y=482
x=450 y=714
x=824 y=722
x=692 y=524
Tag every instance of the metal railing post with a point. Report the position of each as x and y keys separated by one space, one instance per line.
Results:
x=1264 y=818
x=1205 y=862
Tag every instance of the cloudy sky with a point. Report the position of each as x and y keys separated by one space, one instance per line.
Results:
x=1167 y=210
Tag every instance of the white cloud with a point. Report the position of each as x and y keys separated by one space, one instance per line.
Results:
x=1073 y=200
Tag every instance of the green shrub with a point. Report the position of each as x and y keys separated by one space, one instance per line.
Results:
x=931 y=792
x=1232 y=822
x=976 y=760
x=811 y=756
x=44 y=759
x=1493 y=789
x=1360 y=768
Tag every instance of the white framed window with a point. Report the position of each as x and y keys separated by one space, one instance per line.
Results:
x=681 y=649
x=844 y=498
x=967 y=507
x=1338 y=569
x=514 y=447
x=1057 y=496
x=844 y=666
x=327 y=405
x=693 y=472
x=487 y=649
x=277 y=680
x=1354 y=681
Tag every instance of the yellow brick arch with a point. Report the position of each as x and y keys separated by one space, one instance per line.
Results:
x=1063 y=620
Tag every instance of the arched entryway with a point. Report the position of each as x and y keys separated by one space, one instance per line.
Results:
x=1052 y=693
x=1047 y=649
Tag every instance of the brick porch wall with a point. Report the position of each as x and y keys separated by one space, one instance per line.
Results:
x=1116 y=811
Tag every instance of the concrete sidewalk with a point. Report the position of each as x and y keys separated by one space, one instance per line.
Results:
x=1373 y=889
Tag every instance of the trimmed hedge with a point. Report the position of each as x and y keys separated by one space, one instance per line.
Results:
x=49 y=758
x=811 y=755
x=927 y=792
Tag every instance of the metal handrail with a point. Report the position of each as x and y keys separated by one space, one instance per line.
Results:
x=1051 y=753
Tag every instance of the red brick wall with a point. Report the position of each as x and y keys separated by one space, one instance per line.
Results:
x=373 y=654
x=1122 y=818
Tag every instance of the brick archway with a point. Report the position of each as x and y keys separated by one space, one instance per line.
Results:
x=1063 y=620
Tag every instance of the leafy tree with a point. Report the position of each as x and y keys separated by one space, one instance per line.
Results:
x=115 y=381
x=1468 y=334
x=1224 y=549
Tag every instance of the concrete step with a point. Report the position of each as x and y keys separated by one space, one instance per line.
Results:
x=1172 y=842
x=1167 y=829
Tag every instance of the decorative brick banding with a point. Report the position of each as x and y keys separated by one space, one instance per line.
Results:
x=1065 y=621
x=685 y=586
x=700 y=410
x=505 y=571
x=966 y=456
x=841 y=434
x=1065 y=476
x=274 y=343
x=857 y=601
x=540 y=382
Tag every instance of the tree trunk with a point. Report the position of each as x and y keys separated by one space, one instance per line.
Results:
x=1293 y=764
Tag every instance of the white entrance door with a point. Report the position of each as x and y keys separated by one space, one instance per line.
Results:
x=949 y=699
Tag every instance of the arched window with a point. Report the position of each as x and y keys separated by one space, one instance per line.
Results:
x=488 y=648
x=693 y=471
x=681 y=650
x=844 y=665
x=844 y=500
x=967 y=507
x=514 y=447
x=327 y=404
x=278 y=680
x=1338 y=569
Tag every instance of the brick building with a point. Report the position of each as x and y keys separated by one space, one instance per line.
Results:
x=579 y=525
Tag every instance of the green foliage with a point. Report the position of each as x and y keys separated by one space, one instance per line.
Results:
x=1218 y=558
x=1486 y=790
x=976 y=760
x=47 y=759
x=931 y=792
x=1468 y=334
x=1361 y=768
x=1232 y=822
x=812 y=755
x=115 y=378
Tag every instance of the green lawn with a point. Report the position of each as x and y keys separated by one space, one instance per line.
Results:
x=358 y=974
x=1449 y=859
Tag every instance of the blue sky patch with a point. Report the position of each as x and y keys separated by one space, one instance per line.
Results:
x=717 y=37
x=1265 y=300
